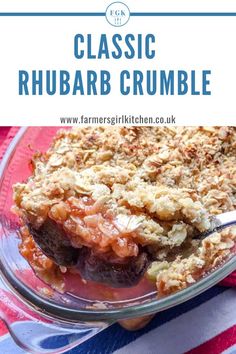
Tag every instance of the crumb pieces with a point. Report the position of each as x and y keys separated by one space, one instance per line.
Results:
x=180 y=273
x=46 y=292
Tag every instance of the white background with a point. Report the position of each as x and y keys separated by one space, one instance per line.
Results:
x=134 y=5
x=183 y=43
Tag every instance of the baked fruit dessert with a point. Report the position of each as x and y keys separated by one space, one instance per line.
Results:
x=117 y=204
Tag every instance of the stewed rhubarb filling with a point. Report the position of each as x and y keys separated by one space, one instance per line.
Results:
x=90 y=223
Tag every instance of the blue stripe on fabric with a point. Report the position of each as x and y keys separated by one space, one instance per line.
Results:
x=115 y=337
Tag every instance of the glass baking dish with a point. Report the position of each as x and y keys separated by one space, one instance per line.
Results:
x=45 y=313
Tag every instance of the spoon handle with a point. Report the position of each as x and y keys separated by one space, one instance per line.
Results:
x=225 y=220
x=220 y=222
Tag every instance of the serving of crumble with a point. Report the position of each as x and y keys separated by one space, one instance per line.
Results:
x=119 y=203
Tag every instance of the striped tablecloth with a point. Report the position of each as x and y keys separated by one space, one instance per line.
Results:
x=203 y=325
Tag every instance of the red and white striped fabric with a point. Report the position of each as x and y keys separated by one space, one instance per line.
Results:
x=207 y=329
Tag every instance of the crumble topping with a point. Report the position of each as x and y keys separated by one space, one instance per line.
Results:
x=180 y=273
x=116 y=189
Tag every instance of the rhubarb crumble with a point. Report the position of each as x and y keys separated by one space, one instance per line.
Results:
x=118 y=204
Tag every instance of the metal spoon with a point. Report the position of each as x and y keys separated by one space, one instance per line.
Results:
x=219 y=223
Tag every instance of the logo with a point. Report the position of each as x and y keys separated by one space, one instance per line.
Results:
x=117 y=14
